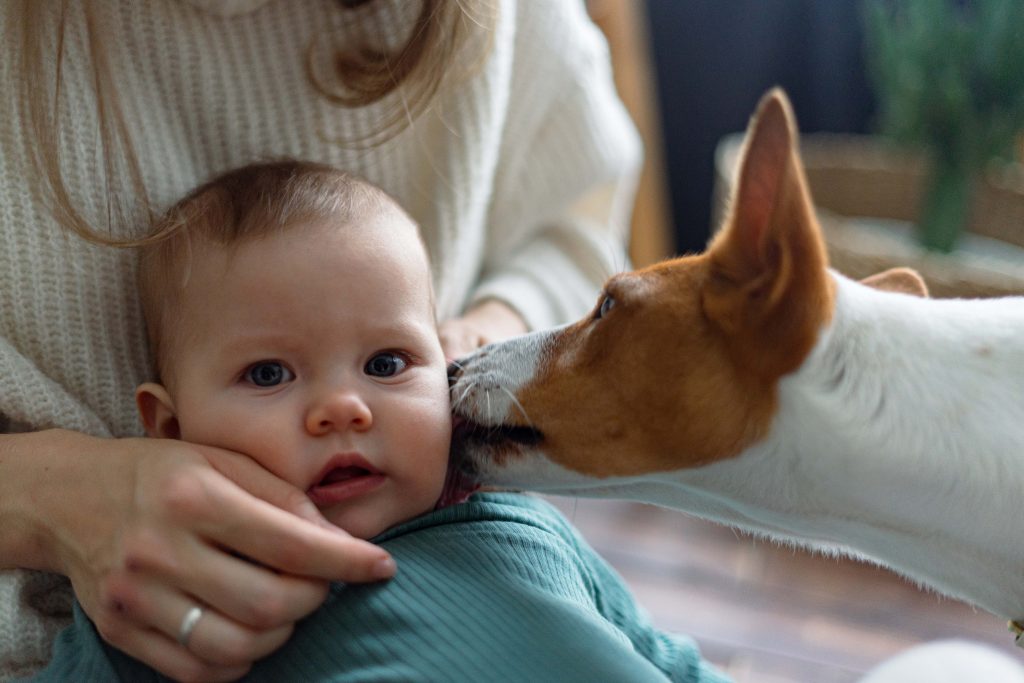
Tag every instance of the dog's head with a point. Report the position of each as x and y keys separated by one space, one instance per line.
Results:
x=677 y=364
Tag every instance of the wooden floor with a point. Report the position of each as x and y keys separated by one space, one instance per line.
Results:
x=764 y=613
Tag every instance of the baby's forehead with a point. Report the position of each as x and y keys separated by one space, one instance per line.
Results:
x=382 y=230
x=326 y=247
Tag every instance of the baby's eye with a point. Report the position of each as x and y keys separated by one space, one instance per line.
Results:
x=385 y=364
x=268 y=373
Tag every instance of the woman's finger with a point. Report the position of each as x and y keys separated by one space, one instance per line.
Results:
x=258 y=481
x=488 y=321
x=230 y=517
x=150 y=604
x=207 y=633
x=250 y=594
x=164 y=653
x=458 y=339
x=168 y=657
x=223 y=642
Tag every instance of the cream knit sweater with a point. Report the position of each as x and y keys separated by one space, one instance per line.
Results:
x=520 y=175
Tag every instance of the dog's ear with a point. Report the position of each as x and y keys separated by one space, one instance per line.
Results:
x=747 y=245
x=900 y=280
x=768 y=264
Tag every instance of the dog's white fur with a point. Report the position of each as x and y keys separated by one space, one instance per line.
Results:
x=899 y=438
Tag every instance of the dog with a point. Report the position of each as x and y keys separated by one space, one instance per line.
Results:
x=754 y=386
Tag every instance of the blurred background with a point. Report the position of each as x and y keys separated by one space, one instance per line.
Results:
x=691 y=73
x=713 y=60
x=910 y=113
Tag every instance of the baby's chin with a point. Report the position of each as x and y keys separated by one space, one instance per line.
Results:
x=356 y=526
x=366 y=522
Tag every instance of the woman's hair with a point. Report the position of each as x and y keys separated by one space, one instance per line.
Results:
x=238 y=206
x=364 y=71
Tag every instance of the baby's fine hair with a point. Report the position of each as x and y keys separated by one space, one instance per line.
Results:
x=243 y=204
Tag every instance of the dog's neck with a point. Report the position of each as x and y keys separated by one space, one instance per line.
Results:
x=894 y=440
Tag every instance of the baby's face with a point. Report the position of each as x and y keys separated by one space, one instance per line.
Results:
x=315 y=352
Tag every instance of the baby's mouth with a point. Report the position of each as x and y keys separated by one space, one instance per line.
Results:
x=343 y=482
x=342 y=474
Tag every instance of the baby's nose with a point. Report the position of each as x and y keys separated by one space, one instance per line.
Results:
x=339 y=410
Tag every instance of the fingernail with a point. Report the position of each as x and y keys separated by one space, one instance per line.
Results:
x=384 y=568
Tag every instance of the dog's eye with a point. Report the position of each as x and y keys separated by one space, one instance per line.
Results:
x=606 y=305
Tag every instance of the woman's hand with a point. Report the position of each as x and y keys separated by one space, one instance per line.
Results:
x=147 y=529
x=487 y=322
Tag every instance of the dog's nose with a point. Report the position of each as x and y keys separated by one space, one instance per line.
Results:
x=454 y=370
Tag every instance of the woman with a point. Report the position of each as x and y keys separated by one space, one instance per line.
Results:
x=496 y=127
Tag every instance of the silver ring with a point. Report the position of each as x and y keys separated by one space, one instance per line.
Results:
x=188 y=624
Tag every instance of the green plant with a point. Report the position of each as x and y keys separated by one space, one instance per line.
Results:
x=949 y=79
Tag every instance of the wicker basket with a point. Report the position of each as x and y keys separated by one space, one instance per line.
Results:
x=867 y=196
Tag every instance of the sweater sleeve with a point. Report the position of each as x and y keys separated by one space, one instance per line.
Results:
x=568 y=169
x=34 y=401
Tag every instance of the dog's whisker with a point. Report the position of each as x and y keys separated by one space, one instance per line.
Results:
x=460 y=397
x=518 y=405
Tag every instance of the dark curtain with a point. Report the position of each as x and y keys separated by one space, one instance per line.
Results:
x=715 y=58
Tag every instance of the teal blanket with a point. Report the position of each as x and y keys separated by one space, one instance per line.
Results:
x=500 y=588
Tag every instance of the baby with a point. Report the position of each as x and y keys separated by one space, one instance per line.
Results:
x=291 y=318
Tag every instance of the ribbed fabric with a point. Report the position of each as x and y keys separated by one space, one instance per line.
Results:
x=493 y=173
x=498 y=589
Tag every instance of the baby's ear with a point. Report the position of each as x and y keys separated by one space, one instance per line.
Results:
x=157 y=411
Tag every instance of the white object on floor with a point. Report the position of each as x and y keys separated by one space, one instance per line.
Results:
x=948 y=661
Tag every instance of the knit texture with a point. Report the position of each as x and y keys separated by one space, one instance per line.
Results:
x=500 y=173
x=498 y=589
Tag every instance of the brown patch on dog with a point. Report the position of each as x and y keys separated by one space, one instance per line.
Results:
x=683 y=369
x=648 y=387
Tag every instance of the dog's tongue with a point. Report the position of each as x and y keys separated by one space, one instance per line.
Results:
x=457 y=488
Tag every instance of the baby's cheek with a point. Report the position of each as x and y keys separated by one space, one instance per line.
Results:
x=432 y=417
x=428 y=432
x=436 y=453
x=259 y=440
